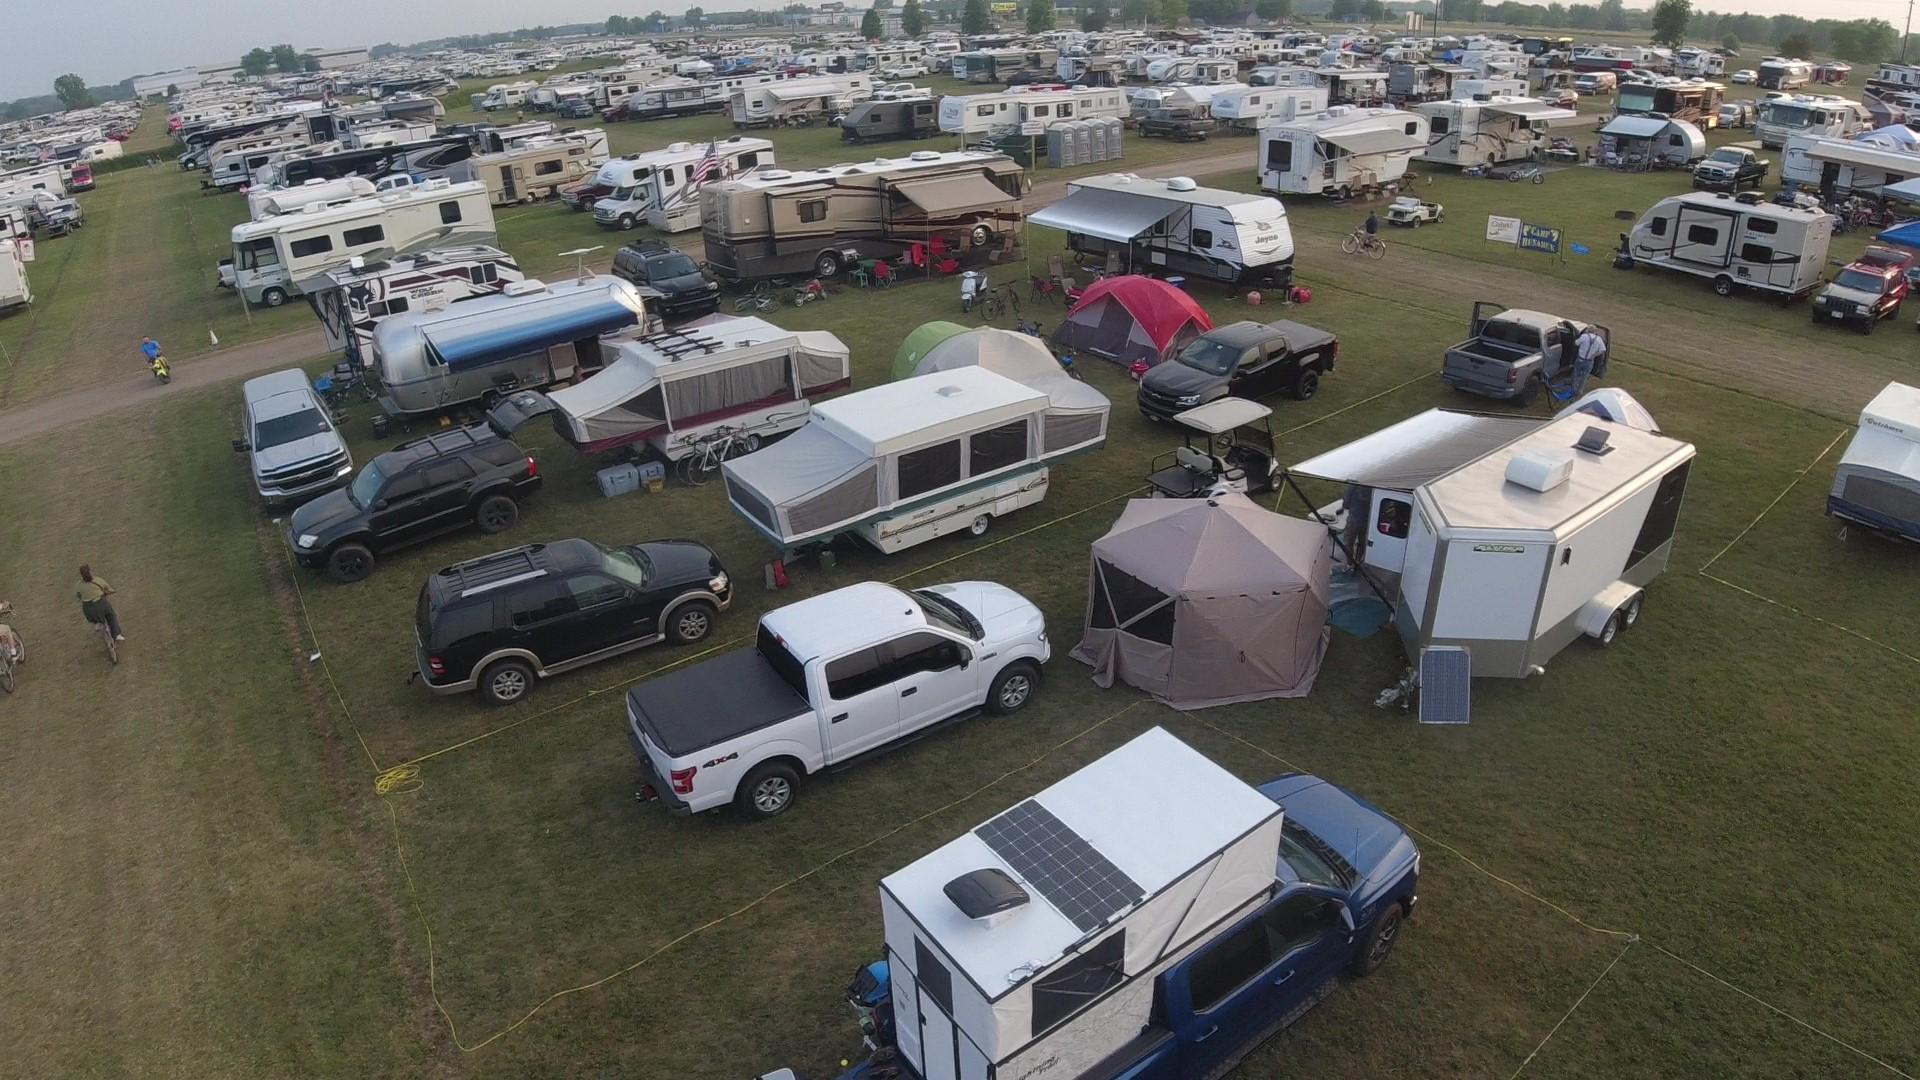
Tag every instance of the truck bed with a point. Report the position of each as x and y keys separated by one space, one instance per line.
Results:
x=719 y=699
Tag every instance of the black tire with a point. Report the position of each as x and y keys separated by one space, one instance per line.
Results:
x=506 y=682
x=1868 y=324
x=274 y=297
x=350 y=562
x=1723 y=285
x=768 y=791
x=1610 y=632
x=690 y=623
x=1305 y=385
x=1379 y=942
x=1630 y=614
x=496 y=514
x=6 y=677
x=1013 y=688
x=827 y=265
x=626 y=222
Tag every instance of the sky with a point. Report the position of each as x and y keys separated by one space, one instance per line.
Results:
x=119 y=38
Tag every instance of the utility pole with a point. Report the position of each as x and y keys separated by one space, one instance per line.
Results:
x=1906 y=32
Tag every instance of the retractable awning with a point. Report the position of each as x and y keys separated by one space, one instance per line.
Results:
x=1532 y=110
x=1375 y=141
x=799 y=91
x=1418 y=449
x=1634 y=127
x=494 y=336
x=1109 y=215
x=1886 y=159
x=954 y=194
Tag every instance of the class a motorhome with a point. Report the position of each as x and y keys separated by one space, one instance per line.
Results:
x=530 y=335
x=662 y=187
x=779 y=221
x=15 y=292
x=504 y=96
x=1488 y=132
x=1174 y=226
x=999 y=65
x=1826 y=116
x=449 y=158
x=1246 y=108
x=279 y=257
x=908 y=461
x=1342 y=150
x=1695 y=101
x=1782 y=73
x=355 y=298
x=265 y=202
x=799 y=101
x=1735 y=242
x=1027 y=110
x=535 y=169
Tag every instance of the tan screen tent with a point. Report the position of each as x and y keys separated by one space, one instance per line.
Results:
x=1208 y=602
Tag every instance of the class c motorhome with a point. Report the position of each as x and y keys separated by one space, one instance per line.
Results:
x=662 y=187
x=1736 y=242
x=1827 y=116
x=267 y=202
x=354 y=299
x=1027 y=110
x=1339 y=151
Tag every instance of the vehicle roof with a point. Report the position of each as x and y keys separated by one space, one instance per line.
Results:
x=431 y=191
x=1243 y=333
x=489 y=573
x=280 y=393
x=1155 y=188
x=848 y=618
x=782 y=177
x=440 y=443
x=1222 y=415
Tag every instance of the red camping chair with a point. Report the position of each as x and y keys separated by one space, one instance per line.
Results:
x=947 y=266
x=882 y=274
x=1045 y=289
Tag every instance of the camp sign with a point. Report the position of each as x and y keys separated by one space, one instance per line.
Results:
x=1539 y=238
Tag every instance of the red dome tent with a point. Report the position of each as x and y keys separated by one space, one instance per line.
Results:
x=1132 y=318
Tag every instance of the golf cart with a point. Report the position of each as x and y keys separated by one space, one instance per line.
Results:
x=1226 y=446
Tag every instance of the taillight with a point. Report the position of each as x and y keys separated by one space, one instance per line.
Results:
x=1334 y=352
x=533 y=467
x=436 y=667
x=1513 y=375
x=683 y=779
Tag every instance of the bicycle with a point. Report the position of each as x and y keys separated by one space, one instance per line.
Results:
x=9 y=663
x=1358 y=241
x=724 y=444
x=106 y=635
x=759 y=299
x=1002 y=300
x=1527 y=172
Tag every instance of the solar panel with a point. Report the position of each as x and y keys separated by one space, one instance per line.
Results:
x=1060 y=865
x=1446 y=678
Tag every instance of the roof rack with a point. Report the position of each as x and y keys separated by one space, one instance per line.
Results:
x=677 y=344
x=495 y=570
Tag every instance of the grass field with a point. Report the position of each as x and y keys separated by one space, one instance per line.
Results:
x=220 y=888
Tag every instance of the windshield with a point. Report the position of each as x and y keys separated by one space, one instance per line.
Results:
x=1310 y=857
x=1211 y=355
x=1860 y=280
x=621 y=194
x=672 y=266
x=1636 y=98
x=626 y=567
x=1788 y=115
x=1731 y=157
x=289 y=428
x=943 y=612
x=366 y=487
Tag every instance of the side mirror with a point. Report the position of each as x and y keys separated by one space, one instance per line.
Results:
x=241 y=446
x=379 y=504
x=1346 y=918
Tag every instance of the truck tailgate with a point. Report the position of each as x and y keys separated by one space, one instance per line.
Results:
x=1489 y=364
x=711 y=702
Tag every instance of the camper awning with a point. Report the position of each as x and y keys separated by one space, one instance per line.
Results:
x=1885 y=159
x=953 y=194
x=1109 y=215
x=1416 y=450
x=515 y=331
x=1375 y=141
x=1634 y=127
x=797 y=91
x=1531 y=110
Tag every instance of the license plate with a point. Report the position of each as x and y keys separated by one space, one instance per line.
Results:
x=1838 y=314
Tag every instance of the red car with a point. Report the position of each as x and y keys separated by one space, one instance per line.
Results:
x=1864 y=292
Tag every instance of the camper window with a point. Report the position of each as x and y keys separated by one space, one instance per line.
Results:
x=1393 y=519
x=1702 y=234
x=483 y=274
x=813 y=210
x=983 y=110
x=1658 y=227
x=934 y=977
x=384 y=308
x=258 y=253
x=1413 y=127
x=1201 y=238
x=1280 y=155
x=449 y=213
x=1079 y=982
x=366 y=234
x=1228 y=964
x=1440 y=125
x=310 y=245
x=855 y=674
x=547 y=167
x=1756 y=253
x=1674 y=139
x=1066 y=109
x=748 y=160
x=1766 y=226
x=1662 y=516
x=928 y=468
x=621 y=194
x=1040 y=110
x=997 y=448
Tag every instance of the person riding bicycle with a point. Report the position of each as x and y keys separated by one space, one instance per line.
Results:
x=16 y=649
x=92 y=594
x=150 y=349
x=1372 y=225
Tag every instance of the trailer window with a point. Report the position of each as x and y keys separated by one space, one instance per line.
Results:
x=1756 y=253
x=1439 y=125
x=1662 y=516
x=1228 y=964
x=1079 y=982
x=1280 y=155
x=934 y=977
x=1413 y=127
x=813 y=210
x=368 y=234
x=449 y=213
x=1702 y=234
x=483 y=274
x=312 y=245
x=1394 y=518
x=983 y=110
x=1764 y=226
x=256 y=253
x=1658 y=227
x=929 y=468
x=748 y=160
x=997 y=448
x=548 y=167
x=1201 y=237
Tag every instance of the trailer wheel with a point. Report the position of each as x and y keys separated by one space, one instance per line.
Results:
x=982 y=236
x=827 y=265
x=979 y=525
x=1610 y=631
x=1630 y=614
x=1723 y=285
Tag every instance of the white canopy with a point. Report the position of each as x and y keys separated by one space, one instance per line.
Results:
x=1415 y=450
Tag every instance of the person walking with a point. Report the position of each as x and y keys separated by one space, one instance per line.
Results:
x=92 y=594
x=1591 y=348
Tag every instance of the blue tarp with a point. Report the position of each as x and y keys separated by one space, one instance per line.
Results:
x=492 y=336
x=1906 y=234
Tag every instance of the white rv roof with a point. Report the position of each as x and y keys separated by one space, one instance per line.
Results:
x=1883 y=158
x=1478 y=495
x=1895 y=409
x=640 y=362
x=899 y=415
x=1155 y=807
x=778 y=177
x=1752 y=209
x=1133 y=184
x=431 y=191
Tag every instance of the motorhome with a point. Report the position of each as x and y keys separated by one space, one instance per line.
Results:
x=46 y=177
x=908 y=461
x=15 y=291
x=799 y=102
x=1736 y=242
x=504 y=96
x=1246 y=108
x=1698 y=63
x=1840 y=167
x=1027 y=110
x=498 y=138
x=279 y=257
x=267 y=202
x=662 y=187
x=999 y=65
x=821 y=221
x=1340 y=151
x=1694 y=101
x=1488 y=132
x=231 y=166
x=1779 y=73
x=530 y=335
x=669 y=391
x=1174 y=226
x=353 y=299
x=1807 y=114
x=447 y=159
x=537 y=168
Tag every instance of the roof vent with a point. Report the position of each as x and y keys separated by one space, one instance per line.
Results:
x=1181 y=183
x=775 y=174
x=1540 y=470
x=525 y=287
x=1593 y=441
x=986 y=896
x=949 y=391
x=925 y=155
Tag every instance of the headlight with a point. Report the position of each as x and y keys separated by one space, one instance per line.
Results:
x=344 y=469
x=307 y=540
x=717 y=583
x=1187 y=399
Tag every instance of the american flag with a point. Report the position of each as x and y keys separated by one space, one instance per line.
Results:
x=708 y=165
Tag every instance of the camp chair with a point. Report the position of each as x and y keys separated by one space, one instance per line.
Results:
x=947 y=266
x=883 y=274
x=1045 y=289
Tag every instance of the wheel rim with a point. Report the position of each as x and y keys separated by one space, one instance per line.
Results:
x=1309 y=383
x=692 y=625
x=770 y=796
x=979 y=525
x=827 y=266
x=1383 y=942
x=1015 y=691
x=1633 y=612
x=509 y=684
x=353 y=565
x=499 y=517
x=1609 y=632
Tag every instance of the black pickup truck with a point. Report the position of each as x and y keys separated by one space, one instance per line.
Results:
x=1245 y=359
x=1178 y=124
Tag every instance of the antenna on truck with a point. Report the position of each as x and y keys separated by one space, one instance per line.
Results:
x=580 y=260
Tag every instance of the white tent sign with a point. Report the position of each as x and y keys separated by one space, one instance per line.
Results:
x=1503 y=230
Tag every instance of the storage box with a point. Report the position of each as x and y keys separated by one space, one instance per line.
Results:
x=618 y=479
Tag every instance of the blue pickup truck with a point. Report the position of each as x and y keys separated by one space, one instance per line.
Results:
x=1344 y=885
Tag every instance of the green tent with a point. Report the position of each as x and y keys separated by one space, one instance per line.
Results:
x=920 y=343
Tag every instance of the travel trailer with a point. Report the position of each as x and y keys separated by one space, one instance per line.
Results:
x=1638 y=143
x=1176 y=227
x=1192 y=69
x=539 y=167
x=799 y=102
x=1246 y=108
x=1737 y=242
x=671 y=390
x=908 y=461
x=1838 y=167
x=1695 y=102
x=15 y=292
x=1421 y=81
x=1360 y=88
x=821 y=221
x=672 y=97
x=355 y=298
x=1777 y=73
x=529 y=336
x=1340 y=151
x=279 y=257
x=232 y=165
x=1488 y=132
x=662 y=187
x=267 y=202
x=879 y=120
x=37 y=177
x=1807 y=114
x=1028 y=110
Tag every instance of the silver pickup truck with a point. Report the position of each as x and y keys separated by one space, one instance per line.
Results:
x=1510 y=349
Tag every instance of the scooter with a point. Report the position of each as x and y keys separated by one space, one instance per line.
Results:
x=160 y=369
x=973 y=285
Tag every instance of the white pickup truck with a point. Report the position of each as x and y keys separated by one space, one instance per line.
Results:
x=829 y=679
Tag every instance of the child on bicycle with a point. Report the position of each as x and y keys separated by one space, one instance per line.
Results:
x=92 y=594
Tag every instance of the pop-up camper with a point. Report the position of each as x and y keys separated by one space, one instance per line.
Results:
x=1878 y=482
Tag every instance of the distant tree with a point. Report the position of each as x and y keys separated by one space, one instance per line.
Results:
x=1272 y=10
x=657 y=21
x=1170 y=12
x=309 y=63
x=286 y=59
x=72 y=91
x=976 y=19
x=1374 y=11
x=1094 y=16
x=912 y=22
x=870 y=27
x=1797 y=45
x=1670 y=18
x=1039 y=16
x=1864 y=40
x=1613 y=14
x=256 y=63
x=796 y=9
x=616 y=24
x=695 y=16
x=173 y=90
x=1730 y=42
x=1136 y=11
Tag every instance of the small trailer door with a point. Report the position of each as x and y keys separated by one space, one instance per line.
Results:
x=923 y=1026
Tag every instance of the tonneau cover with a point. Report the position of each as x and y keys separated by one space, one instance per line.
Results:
x=715 y=700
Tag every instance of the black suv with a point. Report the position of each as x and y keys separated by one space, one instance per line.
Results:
x=1243 y=359
x=496 y=622
x=464 y=476
x=678 y=289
